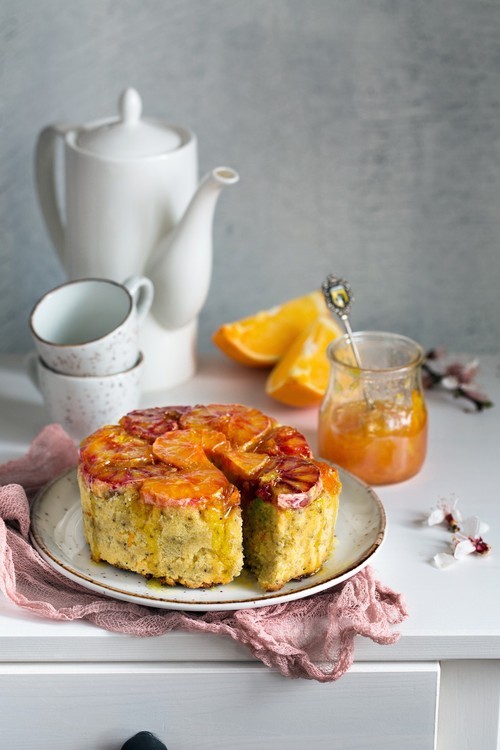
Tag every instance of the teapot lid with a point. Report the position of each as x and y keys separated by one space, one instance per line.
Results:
x=129 y=136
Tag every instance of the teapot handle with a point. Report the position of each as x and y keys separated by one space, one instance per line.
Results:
x=46 y=182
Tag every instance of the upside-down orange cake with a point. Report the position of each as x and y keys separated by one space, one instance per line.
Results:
x=189 y=494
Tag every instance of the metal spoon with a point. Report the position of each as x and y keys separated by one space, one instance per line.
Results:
x=339 y=298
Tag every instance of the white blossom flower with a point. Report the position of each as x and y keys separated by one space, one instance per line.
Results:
x=469 y=539
x=450 y=382
x=466 y=540
x=462 y=546
x=464 y=374
x=446 y=511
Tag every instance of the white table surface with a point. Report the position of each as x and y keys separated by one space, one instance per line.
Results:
x=454 y=614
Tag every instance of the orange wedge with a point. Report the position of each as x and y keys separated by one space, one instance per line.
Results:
x=301 y=377
x=262 y=339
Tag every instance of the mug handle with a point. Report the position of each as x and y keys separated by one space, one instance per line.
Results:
x=31 y=363
x=142 y=291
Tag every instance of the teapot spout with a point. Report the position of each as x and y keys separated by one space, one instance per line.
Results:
x=181 y=265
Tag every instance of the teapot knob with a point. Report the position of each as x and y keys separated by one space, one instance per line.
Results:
x=130 y=106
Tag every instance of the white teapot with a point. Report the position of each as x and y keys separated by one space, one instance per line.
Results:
x=133 y=207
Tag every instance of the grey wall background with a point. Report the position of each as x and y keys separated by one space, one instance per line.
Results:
x=366 y=134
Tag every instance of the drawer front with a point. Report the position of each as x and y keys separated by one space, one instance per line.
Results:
x=377 y=706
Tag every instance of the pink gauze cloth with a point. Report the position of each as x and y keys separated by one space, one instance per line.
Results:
x=311 y=637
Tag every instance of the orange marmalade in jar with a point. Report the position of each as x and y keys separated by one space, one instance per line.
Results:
x=373 y=418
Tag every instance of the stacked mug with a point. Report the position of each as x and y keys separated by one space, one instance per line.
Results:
x=87 y=363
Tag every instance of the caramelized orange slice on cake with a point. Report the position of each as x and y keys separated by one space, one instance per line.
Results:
x=200 y=487
x=114 y=444
x=289 y=482
x=188 y=448
x=239 y=466
x=111 y=458
x=204 y=447
x=242 y=425
x=284 y=441
x=151 y=423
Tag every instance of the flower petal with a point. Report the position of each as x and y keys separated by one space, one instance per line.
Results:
x=450 y=382
x=443 y=560
x=483 y=528
x=437 y=516
x=463 y=548
x=471 y=526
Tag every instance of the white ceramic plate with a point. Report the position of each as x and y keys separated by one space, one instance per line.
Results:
x=57 y=534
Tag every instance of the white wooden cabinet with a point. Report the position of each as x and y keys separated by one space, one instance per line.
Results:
x=72 y=686
x=217 y=706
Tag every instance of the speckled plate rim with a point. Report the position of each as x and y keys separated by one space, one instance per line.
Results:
x=57 y=534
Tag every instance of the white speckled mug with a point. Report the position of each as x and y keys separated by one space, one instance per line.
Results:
x=82 y=404
x=91 y=326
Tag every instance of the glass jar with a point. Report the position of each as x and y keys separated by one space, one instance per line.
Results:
x=373 y=419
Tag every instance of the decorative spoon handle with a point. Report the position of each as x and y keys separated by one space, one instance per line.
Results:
x=339 y=298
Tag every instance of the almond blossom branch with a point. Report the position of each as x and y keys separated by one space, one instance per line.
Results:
x=456 y=378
